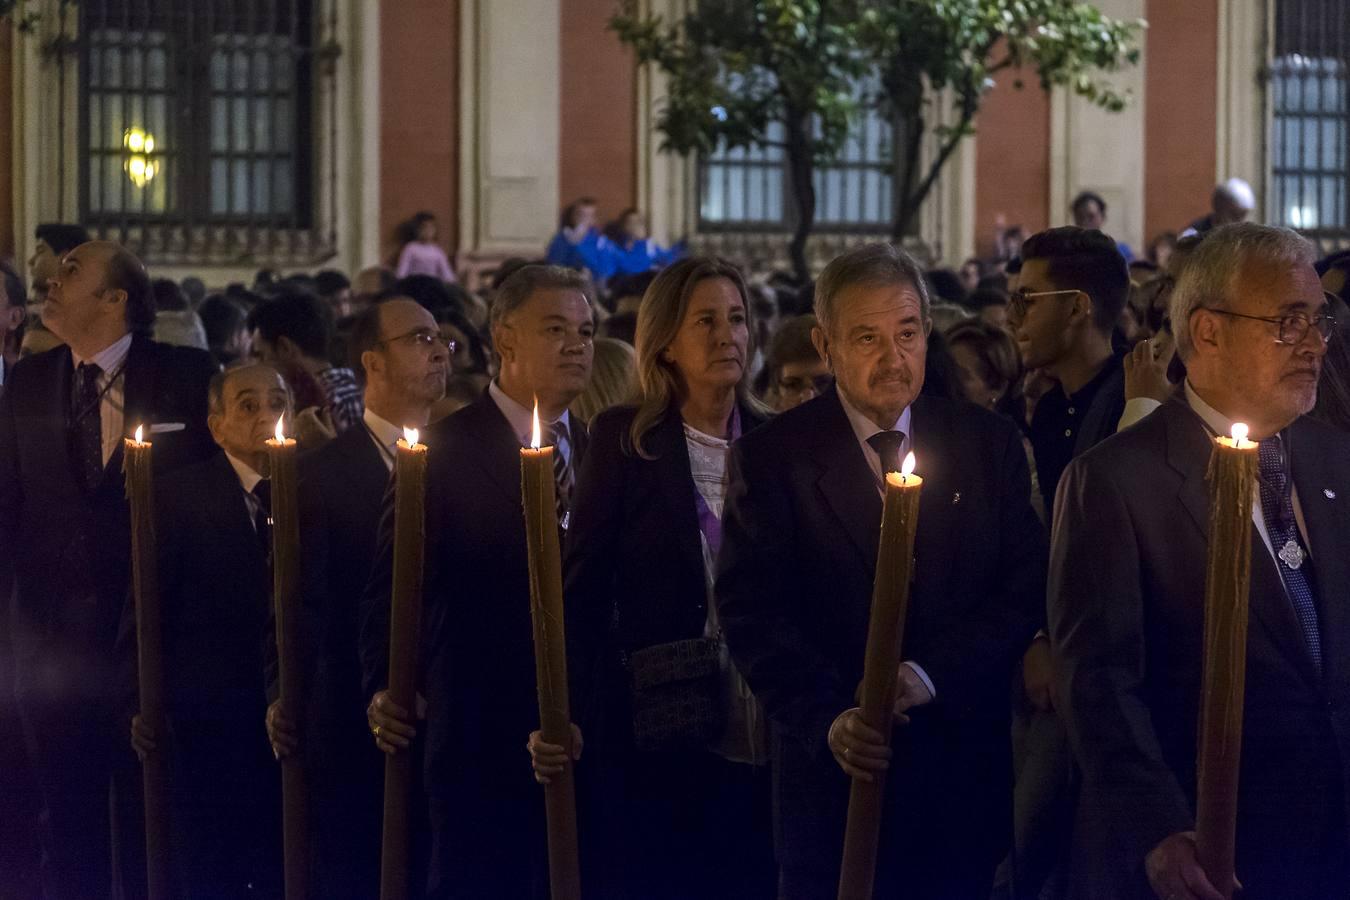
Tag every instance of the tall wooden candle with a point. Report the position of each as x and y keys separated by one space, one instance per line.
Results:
x=405 y=618
x=550 y=658
x=1232 y=487
x=885 y=633
x=281 y=453
x=149 y=658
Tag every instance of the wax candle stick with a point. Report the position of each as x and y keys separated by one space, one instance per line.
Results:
x=1232 y=487
x=136 y=463
x=405 y=617
x=281 y=453
x=885 y=633
x=550 y=658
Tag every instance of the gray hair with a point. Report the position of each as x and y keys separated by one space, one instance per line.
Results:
x=1215 y=268
x=215 y=390
x=871 y=265
x=522 y=284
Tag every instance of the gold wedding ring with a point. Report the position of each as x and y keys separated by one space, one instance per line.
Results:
x=375 y=731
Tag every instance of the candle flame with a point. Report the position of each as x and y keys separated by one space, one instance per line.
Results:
x=907 y=469
x=140 y=430
x=535 y=439
x=410 y=436
x=1240 y=432
x=281 y=435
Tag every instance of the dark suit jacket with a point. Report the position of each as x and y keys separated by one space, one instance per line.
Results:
x=215 y=590
x=341 y=495
x=1126 y=604
x=634 y=547
x=477 y=638
x=795 y=584
x=72 y=560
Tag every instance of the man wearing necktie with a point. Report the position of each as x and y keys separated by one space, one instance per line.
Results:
x=477 y=666
x=796 y=568
x=65 y=533
x=213 y=541
x=1127 y=587
x=341 y=495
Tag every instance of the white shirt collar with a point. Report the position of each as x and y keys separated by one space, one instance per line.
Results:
x=248 y=477
x=864 y=427
x=1216 y=421
x=519 y=417
x=110 y=357
x=386 y=432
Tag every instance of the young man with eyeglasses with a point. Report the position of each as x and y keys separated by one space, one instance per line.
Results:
x=342 y=488
x=1073 y=287
x=1072 y=291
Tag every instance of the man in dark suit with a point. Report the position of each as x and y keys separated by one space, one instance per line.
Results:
x=1127 y=587
x=795 y=585
x=342 y=488
x=213 y=542
x=62 y=419
x=477 y=647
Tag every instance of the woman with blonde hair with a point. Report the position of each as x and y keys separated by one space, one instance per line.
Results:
x=680 y=739
x=613 y=379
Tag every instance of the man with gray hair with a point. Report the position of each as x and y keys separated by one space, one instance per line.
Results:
x=795 y=580
x=1232 y=202
x=1127 y=587
x=486 y=815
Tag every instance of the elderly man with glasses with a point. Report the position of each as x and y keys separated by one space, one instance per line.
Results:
x=1127 y=582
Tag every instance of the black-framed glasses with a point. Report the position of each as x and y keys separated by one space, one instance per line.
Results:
x=422 y=340
x=1020 y=299
x=1294 y=327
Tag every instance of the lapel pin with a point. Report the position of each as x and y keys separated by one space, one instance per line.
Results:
x=1329 y=493
x=956 y=498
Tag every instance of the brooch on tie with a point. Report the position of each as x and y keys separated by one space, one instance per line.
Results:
x=1292 y=554
x=1329 y=493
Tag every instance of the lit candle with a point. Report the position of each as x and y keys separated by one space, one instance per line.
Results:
x=149 y=657
x=550 y=657
x=1232 y=487
x=885 y=634
x=281 y=452
x=405 y=618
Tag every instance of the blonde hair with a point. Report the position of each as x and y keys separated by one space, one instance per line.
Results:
x=613 y=380
x=658 y=322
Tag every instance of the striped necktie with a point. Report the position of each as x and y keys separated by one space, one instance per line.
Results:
x=1291 y=556
x=562 y=473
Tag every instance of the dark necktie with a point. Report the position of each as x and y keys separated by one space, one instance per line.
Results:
x=262 y=516
x=888 y=445
x=561 y=472
x=87 y=422
x=1291 y=556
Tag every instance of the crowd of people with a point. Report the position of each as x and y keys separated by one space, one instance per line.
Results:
x=721 y=442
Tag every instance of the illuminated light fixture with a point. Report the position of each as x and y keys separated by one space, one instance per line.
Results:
x=140 y=168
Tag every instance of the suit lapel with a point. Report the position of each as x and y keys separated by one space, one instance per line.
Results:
x=1189 y=448
x=54 y=421
x=500 y=445
x=846 y=482
x=934 y=442
x=1322 y=494
x=673 y=475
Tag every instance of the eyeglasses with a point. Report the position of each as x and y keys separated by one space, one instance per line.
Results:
x=1020 y=299
x=1293 y=328
x=422 y=340
x=801 y=384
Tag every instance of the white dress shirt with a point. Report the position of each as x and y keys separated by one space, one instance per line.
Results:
x=385 y=434
x=521 y=420
x=865 y=428
x=112 y=382
x=248 y=480
x=1220 y=424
